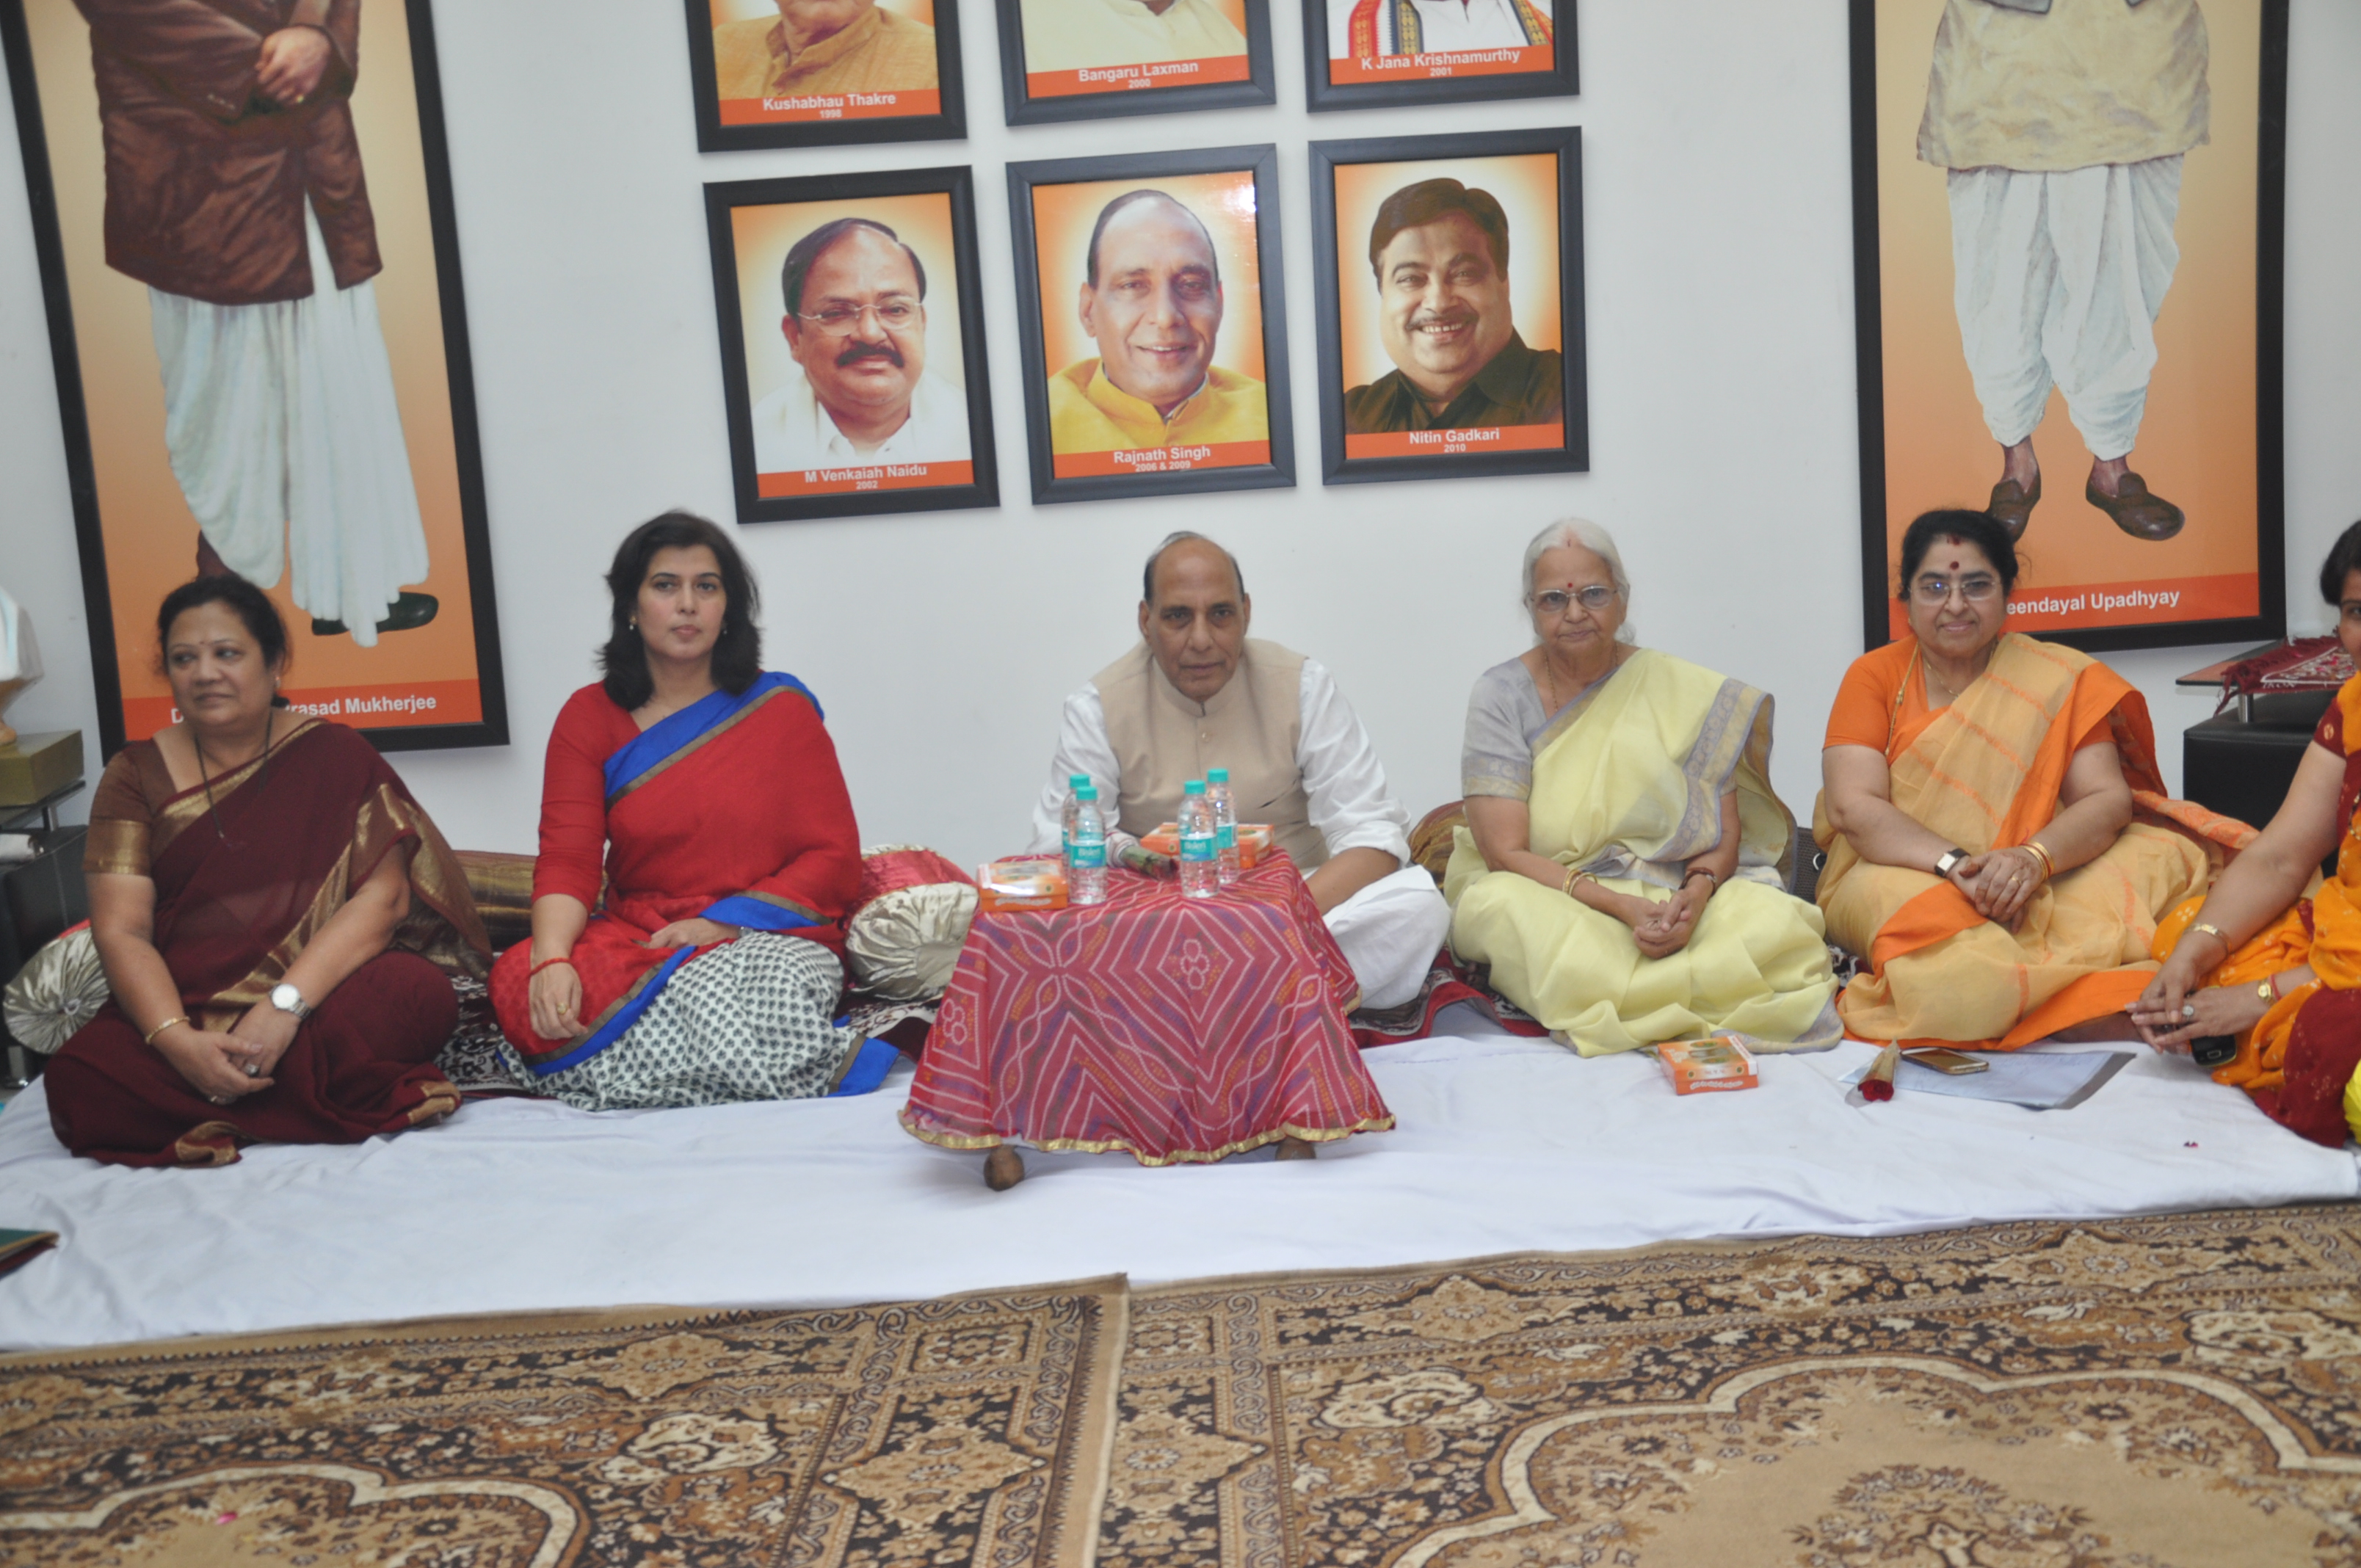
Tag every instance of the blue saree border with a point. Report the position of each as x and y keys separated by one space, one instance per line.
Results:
x=759 y=912
x=662 y=743
x=865 y=1068
x=619 y=1017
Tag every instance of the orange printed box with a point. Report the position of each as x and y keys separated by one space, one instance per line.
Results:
x=1031 y=882
x=1254 y=842
x=1703 y=1066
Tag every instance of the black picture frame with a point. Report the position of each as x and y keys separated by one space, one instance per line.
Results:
x=73 y=416
x=1436 y=84
x=956 y=182
x=1573 y=456
x=2270 y=200
x=1262 y=163
x=1022 y=108
x=948 y=122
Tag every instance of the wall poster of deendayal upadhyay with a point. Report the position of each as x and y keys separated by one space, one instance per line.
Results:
x=2068 y=232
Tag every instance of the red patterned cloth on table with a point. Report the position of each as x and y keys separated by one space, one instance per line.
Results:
x=1172 y=1028
x=2307 y=664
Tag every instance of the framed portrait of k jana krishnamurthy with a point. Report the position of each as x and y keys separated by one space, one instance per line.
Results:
x=1087 y=59
x=1153 y=325
x=824 y=72
x=1374 y=54
x=1451 y=328
x=252 y=269
x=2068 y=220
x=853 y=361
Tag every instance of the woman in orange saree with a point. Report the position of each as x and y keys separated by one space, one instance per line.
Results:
x=2000 y=845
x=2277 y=972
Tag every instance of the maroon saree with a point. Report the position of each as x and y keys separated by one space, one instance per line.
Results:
x=243 y=879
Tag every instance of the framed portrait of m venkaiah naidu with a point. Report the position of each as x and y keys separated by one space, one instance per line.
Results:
x=1087 y=59
x=852 y=320
x=1152 y=323
x=1451 y=319
x=824 y=72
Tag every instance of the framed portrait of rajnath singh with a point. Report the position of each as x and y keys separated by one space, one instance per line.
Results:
x=1451 y=310
x=242 y=219
x=850 y=311
x=1088 y=60
x=1153 y=323
x=824 y=72
x=2068 y=228
x=1375 y=54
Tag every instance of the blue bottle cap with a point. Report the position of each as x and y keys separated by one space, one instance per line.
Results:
x=1195 y=786
x=1086 y=790
x=1217 y=775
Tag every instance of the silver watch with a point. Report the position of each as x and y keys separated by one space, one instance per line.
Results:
x=1950 y=858
x=287 y=999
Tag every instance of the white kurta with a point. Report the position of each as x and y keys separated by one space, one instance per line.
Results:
x=1390 y=930
x=1444 y=27
x=281 y=424
x=792 y=430
x=1077 y=35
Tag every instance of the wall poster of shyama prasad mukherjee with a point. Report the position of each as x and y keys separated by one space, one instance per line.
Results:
x=2069 y=302
x=242 y=213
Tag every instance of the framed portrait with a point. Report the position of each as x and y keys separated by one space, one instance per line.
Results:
x=2068 y=285
x=1451 y=339
x=251 y=271
x=851 y=319
x=1154 y=324
x=1088 y=60
x=824 y=72
x=1371 y=54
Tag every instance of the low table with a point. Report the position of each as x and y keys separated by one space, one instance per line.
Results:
x=1172 y=1028
x=2241 y=761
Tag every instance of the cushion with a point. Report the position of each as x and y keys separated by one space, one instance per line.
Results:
x=502 y=885
x=1430 y=841
x=909 y=921
x=56 y=993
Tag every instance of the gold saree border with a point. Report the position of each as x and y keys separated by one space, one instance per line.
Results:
x=1124 y=1146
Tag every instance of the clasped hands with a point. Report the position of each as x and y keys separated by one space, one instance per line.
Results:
x=2001 y=882
x=291 y=64
x=2179 y=1006
x=223 y=1067
x=555 y=992
x=1660 y=929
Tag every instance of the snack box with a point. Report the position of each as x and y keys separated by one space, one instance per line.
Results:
x=1254 y=842
x=1701 y=1067
x=1030 y=881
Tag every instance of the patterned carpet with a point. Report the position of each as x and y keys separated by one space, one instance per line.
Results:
x=968 y=1429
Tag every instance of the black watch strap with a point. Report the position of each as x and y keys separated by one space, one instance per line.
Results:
x=1948 y=859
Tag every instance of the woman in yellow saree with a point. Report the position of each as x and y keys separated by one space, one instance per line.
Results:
x=1623 y=866
x=2000 y=845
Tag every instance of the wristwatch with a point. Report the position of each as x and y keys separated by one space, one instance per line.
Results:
x=287 y=999
x=1948 y=861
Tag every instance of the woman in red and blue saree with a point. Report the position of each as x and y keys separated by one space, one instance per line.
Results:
x=711 y=967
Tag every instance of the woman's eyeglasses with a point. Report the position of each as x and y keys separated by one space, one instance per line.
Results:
x=1975 y=587
x=1556 y=601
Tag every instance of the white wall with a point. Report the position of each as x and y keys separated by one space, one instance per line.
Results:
x=1717 y=211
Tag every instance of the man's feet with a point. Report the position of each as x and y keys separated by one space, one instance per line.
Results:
x=2012 y=506
x=1004 y=1168
x=1298 y=1148
x=407 y=613
x=2134 y=509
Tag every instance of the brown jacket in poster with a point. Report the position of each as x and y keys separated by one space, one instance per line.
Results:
x=205 y=180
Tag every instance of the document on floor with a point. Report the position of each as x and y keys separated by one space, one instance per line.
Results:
x=2046 y=1082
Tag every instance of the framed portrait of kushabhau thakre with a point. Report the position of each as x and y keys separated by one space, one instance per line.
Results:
x=1372 y=54
x=1451 y=315
x=246 y=242
x=2068 y=221
x=824 y=72
x=1154 y=328
x=1087 y=59
x=852 y=363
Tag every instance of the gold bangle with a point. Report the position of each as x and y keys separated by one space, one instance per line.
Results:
x=150 y=1038
x=1707 y=872
x=1573 y=876
x=2268 y=990
x=2215 y=932
x=2048 y=861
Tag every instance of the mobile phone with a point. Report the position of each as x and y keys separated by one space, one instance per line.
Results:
x=1954 y=1062
x=2213 y=1050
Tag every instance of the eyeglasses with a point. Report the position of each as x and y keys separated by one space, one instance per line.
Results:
x=1556 y=601
x=1975 y=587
x=838 y=321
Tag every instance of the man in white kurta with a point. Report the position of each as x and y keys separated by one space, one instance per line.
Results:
x=793 y=430
x=1081 y=35
x=1197 y=693
x=1436 y=27
x=2062 y=124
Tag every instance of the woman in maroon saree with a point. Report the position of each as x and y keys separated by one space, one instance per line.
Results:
x=276 y=914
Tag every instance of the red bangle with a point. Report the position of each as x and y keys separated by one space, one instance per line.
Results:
x=544 y=963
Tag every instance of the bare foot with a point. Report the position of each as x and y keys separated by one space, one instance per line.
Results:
x=1004 y=1168
x=1297 y=1148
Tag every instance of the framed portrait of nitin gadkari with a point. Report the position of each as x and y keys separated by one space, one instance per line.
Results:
x=1371 y=54
x=824 y=72
x=1451 y=316
x=2067 y=232
x=1088 y=60
x=242 y=218
x=851 y=319
x=1153 y=323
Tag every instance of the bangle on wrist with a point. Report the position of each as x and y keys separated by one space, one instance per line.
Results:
x=2215 y=932
x=560 y=959
x=1572 y=875
x=150 y=1037
x=1707 y=872
x=2048 y=861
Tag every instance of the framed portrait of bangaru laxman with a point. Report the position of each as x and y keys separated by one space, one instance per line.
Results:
x=852 y=363
x=824 y=72
x=1086 y=59
x=1153 y=325
x=1451 y=325
x=242 y=216
x=2067 y=223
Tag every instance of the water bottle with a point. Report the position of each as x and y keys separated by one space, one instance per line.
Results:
x=1200 y=873
x=1086 y=849
x=1225 y=824
x=1074 y=783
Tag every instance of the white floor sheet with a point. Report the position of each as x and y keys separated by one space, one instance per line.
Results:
x=1504 y=1145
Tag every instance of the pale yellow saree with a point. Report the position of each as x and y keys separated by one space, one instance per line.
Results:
x=1626 y=782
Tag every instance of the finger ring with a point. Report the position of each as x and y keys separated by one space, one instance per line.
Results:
x=218 y=1099
x=2189 y=1010
x=252 y=1070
